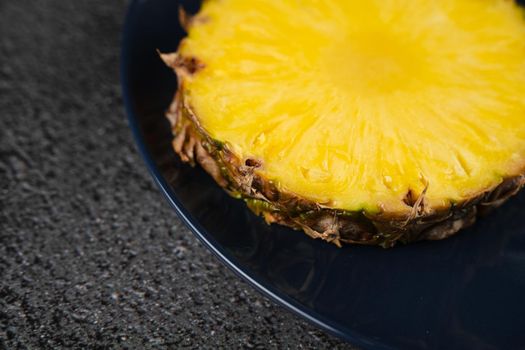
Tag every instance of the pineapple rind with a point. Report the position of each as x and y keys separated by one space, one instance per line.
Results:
x=367 y=225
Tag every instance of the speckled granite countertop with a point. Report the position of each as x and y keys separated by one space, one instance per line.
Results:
x=91 y=255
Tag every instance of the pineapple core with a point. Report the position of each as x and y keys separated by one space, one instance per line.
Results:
x=359 y=105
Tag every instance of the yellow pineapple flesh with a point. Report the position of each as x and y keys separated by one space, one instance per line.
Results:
x=363 y=106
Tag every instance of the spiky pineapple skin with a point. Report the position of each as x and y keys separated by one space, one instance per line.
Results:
x=240 y=178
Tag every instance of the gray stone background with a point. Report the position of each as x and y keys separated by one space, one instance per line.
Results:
x=91 y=255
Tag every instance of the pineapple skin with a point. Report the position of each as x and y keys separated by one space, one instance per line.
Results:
x=240 y=179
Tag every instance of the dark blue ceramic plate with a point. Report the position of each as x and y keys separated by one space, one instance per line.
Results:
x=465 y=292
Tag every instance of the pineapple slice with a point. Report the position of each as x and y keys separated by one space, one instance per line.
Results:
x=356 y=121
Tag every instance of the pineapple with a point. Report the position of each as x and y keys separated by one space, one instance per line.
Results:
x=366 y=122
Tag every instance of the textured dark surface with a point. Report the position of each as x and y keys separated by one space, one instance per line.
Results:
x=91 y=255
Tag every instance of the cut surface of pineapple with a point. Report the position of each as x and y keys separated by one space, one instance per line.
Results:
x=364 y=105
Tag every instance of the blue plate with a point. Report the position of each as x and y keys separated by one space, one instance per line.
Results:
x=465 y=292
